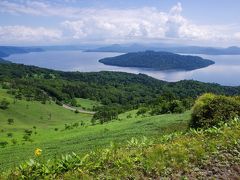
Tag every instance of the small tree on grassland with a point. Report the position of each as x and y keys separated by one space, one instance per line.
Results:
x=4 y=104
x=10 y=121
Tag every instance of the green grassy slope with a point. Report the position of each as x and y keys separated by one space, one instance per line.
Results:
x=27 y=114
x=80 y=139
x=87 y=103
x=45 y=117
x=195 y=154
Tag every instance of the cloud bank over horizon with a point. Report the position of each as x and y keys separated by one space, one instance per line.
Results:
x=73 y=24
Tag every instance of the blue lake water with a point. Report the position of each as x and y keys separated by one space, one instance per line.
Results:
x=225 y=71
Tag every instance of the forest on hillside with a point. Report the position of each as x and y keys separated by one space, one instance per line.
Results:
x=158 y=61
x=117 y=91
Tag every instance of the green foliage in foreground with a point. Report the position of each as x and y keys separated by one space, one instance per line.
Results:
x=209 y=110
x=175 y=155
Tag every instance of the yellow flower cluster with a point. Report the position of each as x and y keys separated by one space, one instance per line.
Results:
x=38 y=152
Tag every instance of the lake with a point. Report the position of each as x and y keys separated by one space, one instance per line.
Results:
x=225 y=71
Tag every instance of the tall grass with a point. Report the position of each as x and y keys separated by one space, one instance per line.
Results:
x=174 y=155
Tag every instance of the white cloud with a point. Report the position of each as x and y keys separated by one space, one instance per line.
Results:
x=117 y=24
x=139 y=24
x=39 y=8
x=237 y=35
x=177 y=9
x=28 y=34
x=121 y=25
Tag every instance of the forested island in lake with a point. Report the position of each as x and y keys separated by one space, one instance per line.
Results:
x=158 y=60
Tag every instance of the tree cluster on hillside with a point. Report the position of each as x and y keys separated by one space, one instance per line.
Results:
x=115 y=90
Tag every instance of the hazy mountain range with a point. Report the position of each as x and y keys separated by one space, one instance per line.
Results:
x=123 y=48
x=233 y=50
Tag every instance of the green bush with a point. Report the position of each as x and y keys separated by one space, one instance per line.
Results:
x=10 y=135
x=176 y=106
x=165 y=107
x=3 y=143
x=142 y=111
x=210 y=110
x=4 y=104
x=10 y=121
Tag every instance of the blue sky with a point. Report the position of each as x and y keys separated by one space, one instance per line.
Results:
x=45 y=22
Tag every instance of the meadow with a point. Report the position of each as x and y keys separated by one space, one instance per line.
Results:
x=59 y=131
x=87 y=104
x=194 y=154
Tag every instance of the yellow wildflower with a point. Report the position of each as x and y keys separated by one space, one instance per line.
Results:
x=38 y=152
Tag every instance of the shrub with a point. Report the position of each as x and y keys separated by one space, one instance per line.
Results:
x=28 y=132
x=75 y=125
x=3 y=143
x=209 y=110
x=105 y=114
x=165 y=107
x=10 y=121
x=67 y=127
x=4 y=104
x=82 y=123
x=6 y=85
x=129 y=116
x=27 y=135
x=176 y=106
x=93 y=121
x=73 y=102
x=10 y=135
x=14 y=141
x=142 y=111
x=59 y=103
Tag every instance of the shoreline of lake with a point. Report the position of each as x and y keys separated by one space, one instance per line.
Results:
x=225 y=71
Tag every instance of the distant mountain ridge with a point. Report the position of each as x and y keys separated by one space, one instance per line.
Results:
x=158 y=60
x=233 y=50
x=3 y=61
x=8 y=50
x=122 y=48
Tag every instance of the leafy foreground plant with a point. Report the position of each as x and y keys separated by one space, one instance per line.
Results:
x=194 y=154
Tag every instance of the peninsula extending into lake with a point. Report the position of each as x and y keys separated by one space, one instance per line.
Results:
x=158 y=60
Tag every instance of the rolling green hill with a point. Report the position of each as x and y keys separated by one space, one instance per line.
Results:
x=53 y=137
x=32 y=115
x=117 y=91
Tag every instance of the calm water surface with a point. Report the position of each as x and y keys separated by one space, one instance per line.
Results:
x=225 y=71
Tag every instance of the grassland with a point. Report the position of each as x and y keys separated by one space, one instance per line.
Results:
x=87 y=103
x=195 y=154
x=52 y=137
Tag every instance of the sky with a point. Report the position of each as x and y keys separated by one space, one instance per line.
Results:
x=61 y=22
